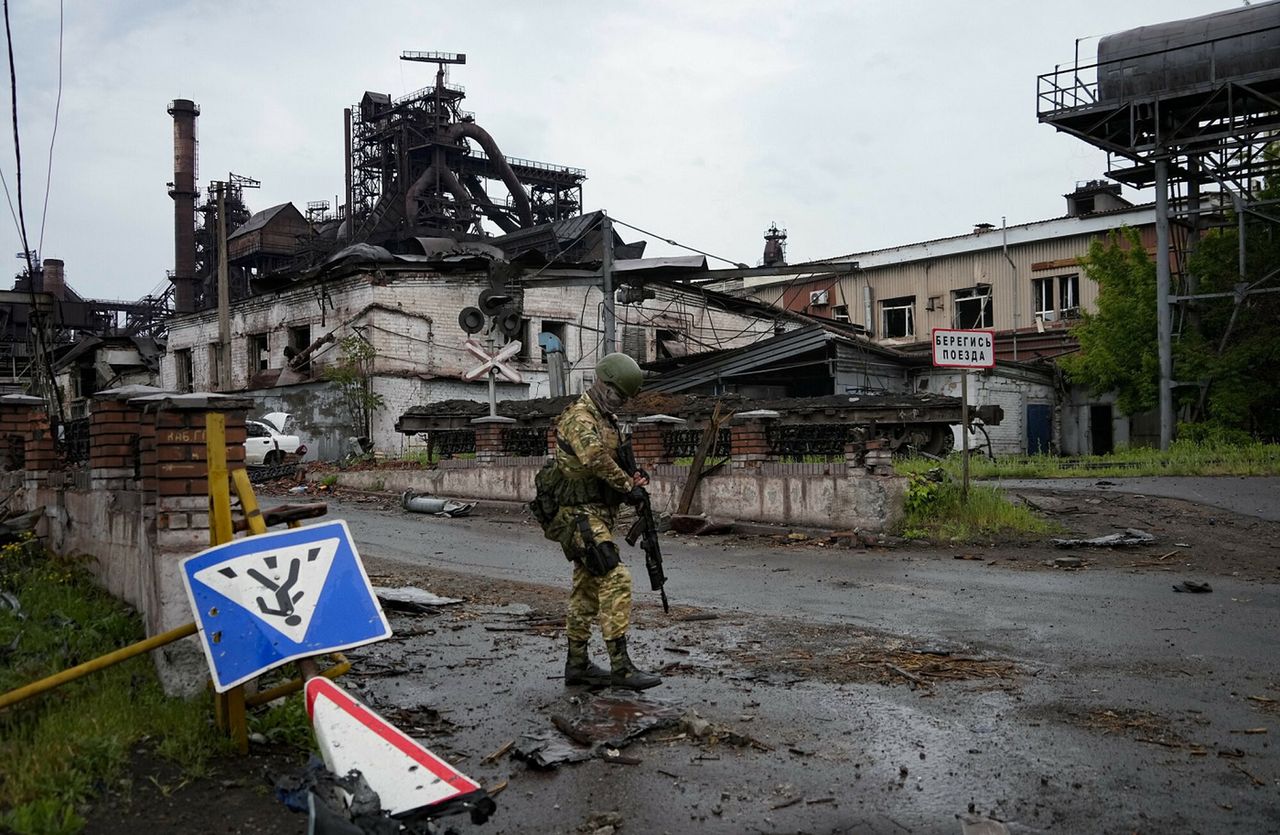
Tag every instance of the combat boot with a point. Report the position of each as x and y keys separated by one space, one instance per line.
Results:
x=579 y=668
x=625 y=672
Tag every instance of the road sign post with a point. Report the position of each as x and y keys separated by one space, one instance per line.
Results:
x=964 y=349
x=277 y=597
x=494 y=363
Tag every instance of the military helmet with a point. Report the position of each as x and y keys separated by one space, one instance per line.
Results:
x=621 y=372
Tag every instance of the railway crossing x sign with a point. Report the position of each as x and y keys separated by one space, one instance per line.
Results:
x=496 y=362
x=265 y=600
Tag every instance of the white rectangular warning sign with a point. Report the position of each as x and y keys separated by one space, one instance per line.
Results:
x=964 y=349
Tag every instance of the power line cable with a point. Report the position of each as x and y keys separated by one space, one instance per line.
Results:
x=677 y=243
x=57 y=108
x=17 y=145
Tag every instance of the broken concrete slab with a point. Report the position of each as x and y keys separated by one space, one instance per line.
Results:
x=614 y=718
x=1130 y=536
x=412 y=599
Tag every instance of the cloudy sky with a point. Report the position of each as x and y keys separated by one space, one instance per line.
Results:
x=854 y=124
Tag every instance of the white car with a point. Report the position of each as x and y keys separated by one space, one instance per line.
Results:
x=267 y=445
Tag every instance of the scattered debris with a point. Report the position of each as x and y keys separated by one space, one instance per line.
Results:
x=1130 y=536
x=425 y=503
x=1249 y=731
x=1255 y=779
x=699 y=525
x=412 y=599
x=602 y=823
x=548 y=750
x=1193 y=587
x=914 y=679
x=496 y=755
x=698 y=616
x=614 y=719
x=1066 y=562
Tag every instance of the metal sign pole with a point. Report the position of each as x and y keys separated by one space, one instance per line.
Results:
x=964 y=433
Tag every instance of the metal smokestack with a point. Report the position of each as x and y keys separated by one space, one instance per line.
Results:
x=183 y=192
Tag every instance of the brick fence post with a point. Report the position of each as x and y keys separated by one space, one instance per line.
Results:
x=749 y=438
x=646 y=439
x=180 y=467
x=489 y=436
x=15 y=429
x=879 y=458
x=116 y=431
x=27 y=418
x=552 y=440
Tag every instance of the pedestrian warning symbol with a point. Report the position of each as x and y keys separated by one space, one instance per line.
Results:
x=281 y=587
x=269 y=599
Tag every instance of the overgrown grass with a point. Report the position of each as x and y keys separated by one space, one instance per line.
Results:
x=60 y=749
x=1184 y=458
x=937 y=511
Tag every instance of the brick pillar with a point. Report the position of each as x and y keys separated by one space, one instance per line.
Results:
x=489 y=436
x=552 y=437
x=748 y=438
x=176 y=464
x=28 y=417
x=116 y=429
x=15 y=429
x=646 y=439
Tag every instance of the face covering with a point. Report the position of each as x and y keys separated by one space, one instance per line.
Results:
x=608 y=398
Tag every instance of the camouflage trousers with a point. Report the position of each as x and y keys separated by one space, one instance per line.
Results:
x=607 y=598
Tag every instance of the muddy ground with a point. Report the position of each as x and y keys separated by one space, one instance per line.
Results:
x=820 y=726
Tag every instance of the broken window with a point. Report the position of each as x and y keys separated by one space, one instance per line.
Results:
x=1042 y=298
x=259 y=353
x=214 y=368
x=299 y=341
x=182 y=370
x=897 y=317
x=973 y=307
x=669 y=344
x=559 y=330
x=1069 y=295
x=840 y=313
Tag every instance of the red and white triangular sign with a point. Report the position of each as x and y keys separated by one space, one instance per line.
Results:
x=351 y=736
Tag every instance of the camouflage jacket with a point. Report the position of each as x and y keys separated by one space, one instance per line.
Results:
x=594 y=438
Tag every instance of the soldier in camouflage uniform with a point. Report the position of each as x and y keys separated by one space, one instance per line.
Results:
x=592 y=488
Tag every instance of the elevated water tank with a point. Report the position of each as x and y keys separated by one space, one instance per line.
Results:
x=1148 y=61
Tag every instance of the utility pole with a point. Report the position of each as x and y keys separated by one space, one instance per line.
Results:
x=1164 y=317
x=606 y=280
x=224 y=293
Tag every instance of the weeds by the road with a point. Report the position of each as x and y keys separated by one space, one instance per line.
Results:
x=1184 y=458
x=59 y=749
x=937 y=510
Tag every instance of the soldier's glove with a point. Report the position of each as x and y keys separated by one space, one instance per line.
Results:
x=636 y=496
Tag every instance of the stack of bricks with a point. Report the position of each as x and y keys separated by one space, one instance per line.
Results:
x=115 y=430
x=24 y=424
x=878 y=459
x=181 y=465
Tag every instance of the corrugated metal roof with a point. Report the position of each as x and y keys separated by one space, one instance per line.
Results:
x=775 y=349
x=260 y=219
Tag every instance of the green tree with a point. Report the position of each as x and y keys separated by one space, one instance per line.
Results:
x=353 y=374
x=1118 y=343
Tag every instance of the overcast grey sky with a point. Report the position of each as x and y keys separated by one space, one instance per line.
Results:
x=854 y=124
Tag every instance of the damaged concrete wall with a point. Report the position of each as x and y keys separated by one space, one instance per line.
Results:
x=837 y=501
x=318 y=411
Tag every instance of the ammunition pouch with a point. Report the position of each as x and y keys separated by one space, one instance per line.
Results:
x=598 y=558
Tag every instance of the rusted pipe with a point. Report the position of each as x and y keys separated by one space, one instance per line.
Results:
x=92 y=666
x=447 y=177
x=471 y=130
x=493 y=210
x=340 y=667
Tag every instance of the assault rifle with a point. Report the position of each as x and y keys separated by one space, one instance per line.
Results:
x=645 y=527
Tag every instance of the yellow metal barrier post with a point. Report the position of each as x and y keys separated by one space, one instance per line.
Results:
x=229 y=706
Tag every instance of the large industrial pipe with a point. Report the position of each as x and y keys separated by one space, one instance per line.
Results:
x=183 y=192
x=493 y=210
x=473 y=131
x=447 y=177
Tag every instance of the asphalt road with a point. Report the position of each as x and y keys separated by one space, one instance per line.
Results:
x=1097 y=640
x=1248 y=495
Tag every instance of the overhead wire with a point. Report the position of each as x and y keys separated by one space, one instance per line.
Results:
x=57 y=108
x=676 y=243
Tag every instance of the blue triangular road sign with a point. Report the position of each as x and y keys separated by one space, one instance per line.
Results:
x=268 y=599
